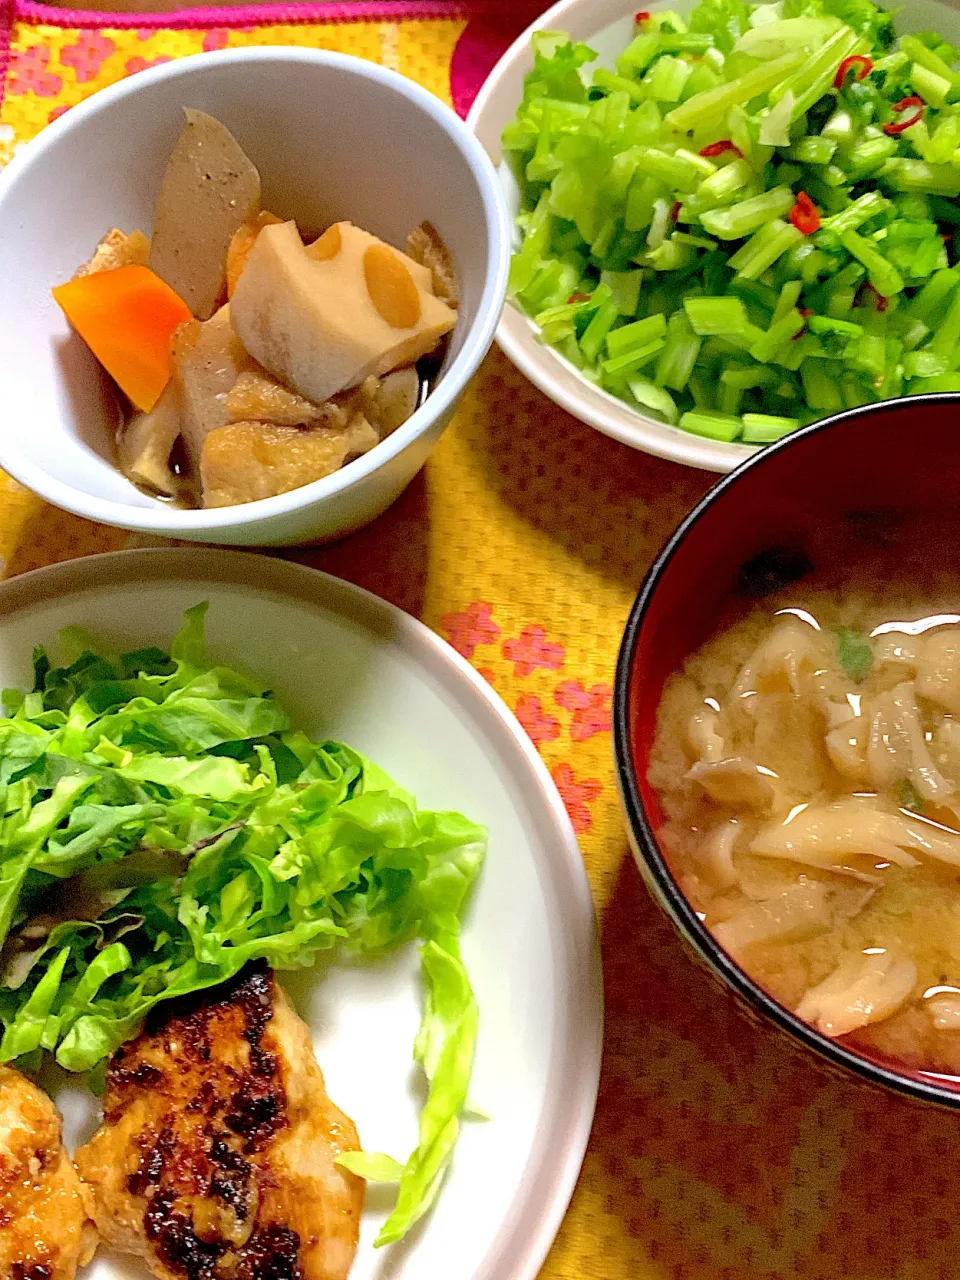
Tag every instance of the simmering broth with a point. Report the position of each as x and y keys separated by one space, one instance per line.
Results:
x=807 y=760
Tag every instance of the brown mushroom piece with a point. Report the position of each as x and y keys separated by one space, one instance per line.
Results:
x=325 y=317
x=396 y=400
x=210 y=190
x=425 y=246
x=145 y=442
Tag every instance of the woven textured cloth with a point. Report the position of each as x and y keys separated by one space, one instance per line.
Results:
x=718 y=1152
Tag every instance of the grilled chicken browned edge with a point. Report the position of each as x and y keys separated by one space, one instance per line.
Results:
x=215 y=1160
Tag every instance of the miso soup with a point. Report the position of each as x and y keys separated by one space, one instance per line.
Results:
x=807 y=759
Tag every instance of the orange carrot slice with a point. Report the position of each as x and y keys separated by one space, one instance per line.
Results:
x=127 y=317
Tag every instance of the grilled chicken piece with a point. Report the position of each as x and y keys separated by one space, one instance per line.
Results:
x=46 y=1230
x=215 y=1158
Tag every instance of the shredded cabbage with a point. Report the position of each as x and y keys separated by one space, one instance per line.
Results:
x=162 y=825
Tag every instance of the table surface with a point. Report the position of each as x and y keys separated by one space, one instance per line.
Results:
x=718 y=1152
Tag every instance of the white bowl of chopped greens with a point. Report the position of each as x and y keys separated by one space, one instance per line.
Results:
x=731 y=219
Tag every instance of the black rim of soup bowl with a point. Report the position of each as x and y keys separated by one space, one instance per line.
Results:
x=651 y=860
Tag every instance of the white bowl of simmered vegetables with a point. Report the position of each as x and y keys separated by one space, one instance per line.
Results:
x=243 y=294
x=787 y=725
x=731 y=219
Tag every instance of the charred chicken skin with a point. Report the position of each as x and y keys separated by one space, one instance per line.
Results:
x=215 y=1160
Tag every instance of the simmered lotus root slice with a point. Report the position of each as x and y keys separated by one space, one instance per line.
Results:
x=312 y=322
x=425 y=246
x=243 y=241
x=391 y=287
x=327 y=246
x=342 y=236
x=247 y=461
x=117 y=249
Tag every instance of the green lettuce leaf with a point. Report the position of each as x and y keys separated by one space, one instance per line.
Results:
x=174 y=805
x=444 y=1049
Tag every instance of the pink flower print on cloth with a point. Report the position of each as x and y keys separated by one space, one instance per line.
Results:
x=530 y=650
x=134 y=65
x=539 y=726
x=472 y=627
x=576 y=795
x=87 y=55
x=29 y=74
x=590 y=708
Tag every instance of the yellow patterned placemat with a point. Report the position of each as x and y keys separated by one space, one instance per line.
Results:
x=718 y=1153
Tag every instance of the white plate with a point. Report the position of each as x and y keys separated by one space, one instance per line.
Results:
x=351 y=667
x=607 y=26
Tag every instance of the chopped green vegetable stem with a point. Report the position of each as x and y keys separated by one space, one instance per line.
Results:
x=778 y=185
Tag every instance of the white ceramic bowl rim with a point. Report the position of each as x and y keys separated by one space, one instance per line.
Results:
x=164 y=519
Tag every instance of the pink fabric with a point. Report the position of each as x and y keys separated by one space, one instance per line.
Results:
x=484 y=41
x=494 y=12
x=492 y=25
x=6 y=26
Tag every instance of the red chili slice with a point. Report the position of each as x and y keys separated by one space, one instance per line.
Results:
x=721 y=148
x=905 y=104
x=860 y=60
x=867 y=288
x=578 y=297
x=675 y=211
x=642 y=16
x=805 y=215
x=805 y=312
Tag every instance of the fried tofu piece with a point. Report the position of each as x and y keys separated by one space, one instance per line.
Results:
x=256 y=397
x=385 y=402
x=46 y=1213
x=247 y=461
x=117 y=249
x=216 y=1153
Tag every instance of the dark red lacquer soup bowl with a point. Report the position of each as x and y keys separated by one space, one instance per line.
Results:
x=904 y=457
